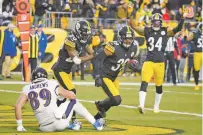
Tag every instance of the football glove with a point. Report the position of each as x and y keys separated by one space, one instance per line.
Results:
x=98 y=81
x=21 y=129
x=76 y=60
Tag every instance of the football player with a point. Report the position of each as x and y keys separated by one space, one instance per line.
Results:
x=198 y=42
x=42 y=94
x=114 y=56
x=156 y=37
x=74 y=44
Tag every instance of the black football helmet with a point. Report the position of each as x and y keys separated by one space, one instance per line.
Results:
x=156 y=21
x=39 y=73
x=199 y=27
x=126 y=32
x=83 y=31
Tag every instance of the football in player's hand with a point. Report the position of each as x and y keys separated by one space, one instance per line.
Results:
x=134 y=65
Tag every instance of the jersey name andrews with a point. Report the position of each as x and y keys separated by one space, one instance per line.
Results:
x=41 y=85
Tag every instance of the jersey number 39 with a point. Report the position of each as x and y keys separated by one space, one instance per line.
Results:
x=120 y=64
x=152 y=44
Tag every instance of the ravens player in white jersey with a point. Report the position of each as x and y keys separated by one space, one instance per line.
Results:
x=156 y=37
x=198 y=42
x=42 y=94
x=69 y=54
x=114 y=56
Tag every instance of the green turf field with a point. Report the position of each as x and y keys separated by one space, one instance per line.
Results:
x=182 y=108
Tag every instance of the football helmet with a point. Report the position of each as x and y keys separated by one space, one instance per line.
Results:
x=38 y=74
x=156 y=21
x=199 y=27
x=126 y=36
x=83 y=31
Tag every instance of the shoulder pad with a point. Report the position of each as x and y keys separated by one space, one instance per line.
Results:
x=135 y=43
x=110 y=47
x=69 y=42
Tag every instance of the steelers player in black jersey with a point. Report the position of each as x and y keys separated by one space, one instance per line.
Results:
x=156 y=37
x=197 y=37
x=113 y=56
x=69 y=54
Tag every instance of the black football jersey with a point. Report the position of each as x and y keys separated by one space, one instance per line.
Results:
x=112 y=65
x=198 y=42
x=64 y=61
x=156 y=43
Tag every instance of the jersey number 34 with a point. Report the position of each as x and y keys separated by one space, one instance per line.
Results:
x=154 y=45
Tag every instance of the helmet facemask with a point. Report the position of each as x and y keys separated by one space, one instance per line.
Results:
x=127 y=40
x=156 y=25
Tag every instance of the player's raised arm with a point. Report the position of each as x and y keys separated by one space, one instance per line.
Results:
x=22 y=100
x=172 y=32
x=139 y=29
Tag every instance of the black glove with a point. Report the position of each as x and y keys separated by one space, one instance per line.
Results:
x=98 y=81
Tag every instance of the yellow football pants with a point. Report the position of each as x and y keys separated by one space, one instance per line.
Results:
x=157 y=70
x=64 y=79
x=111 y=88
x=197 y=60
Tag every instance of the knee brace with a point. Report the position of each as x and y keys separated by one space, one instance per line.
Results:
x=159 y=89
x=116 y=100
x=144 y=86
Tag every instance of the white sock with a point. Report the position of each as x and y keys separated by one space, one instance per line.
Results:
x=157 y=100
x=142 y=96
x=83 y=112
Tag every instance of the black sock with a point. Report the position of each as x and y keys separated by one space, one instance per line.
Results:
x=196 y=76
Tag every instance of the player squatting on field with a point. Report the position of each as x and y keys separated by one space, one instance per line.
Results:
x=42 y=95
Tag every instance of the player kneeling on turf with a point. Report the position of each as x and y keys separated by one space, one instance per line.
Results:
x=42 y=95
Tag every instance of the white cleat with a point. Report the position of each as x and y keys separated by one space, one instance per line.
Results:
x=156 y=110
x=140 y=109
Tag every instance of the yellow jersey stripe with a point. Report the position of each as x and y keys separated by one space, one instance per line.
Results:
x=70 y=43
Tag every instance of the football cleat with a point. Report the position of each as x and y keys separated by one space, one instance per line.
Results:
x=75 y=125
x=99 y=124
x=196 y=87
x=101 y=110
x=156 y=110
x=140 y=109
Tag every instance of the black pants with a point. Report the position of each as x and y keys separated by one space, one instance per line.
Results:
x=33 y=63
x=1 y=63
x=170 y=61
x=190 y=66
x=80 y=67
x=177 y=67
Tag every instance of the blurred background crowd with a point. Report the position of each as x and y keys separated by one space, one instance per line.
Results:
x=102 y=14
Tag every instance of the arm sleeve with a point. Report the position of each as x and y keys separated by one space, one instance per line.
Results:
x=99 y=57
x=176 y=47
x=179 y=27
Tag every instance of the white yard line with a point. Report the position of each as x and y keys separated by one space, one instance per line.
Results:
x=166 y=91
x=92 y=83
x=126 y=106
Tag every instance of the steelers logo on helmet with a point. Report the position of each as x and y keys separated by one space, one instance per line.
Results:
x=83 y=31
x=126 y=36
x=156 y=21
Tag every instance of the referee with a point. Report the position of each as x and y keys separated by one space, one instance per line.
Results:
x=33 y=50
x=169 y=59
